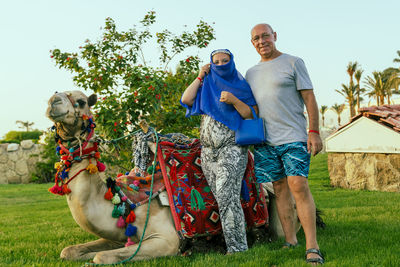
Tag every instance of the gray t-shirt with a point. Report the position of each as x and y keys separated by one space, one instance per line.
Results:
x=275 y=85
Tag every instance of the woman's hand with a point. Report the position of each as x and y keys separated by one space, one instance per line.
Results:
x=228 y=98
x=204 y=70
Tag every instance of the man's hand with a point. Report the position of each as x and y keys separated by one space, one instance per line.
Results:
x=228 y=98
x=314 y=143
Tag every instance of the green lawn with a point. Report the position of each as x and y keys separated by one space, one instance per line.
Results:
x=362 y=230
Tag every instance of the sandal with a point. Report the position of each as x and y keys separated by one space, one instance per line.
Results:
x=288 y=245
x=320 y=260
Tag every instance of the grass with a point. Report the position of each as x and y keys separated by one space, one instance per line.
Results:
x=362 y=230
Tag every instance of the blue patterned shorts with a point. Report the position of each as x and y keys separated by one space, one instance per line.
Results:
x=272 y=163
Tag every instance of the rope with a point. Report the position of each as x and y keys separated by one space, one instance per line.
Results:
x=147 y=216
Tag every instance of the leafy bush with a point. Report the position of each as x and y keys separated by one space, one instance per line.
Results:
x=44 y=169
x=18 y=136
x=128 y=89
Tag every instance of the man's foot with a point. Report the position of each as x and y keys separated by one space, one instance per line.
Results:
x=314 y=256
x=288 y=245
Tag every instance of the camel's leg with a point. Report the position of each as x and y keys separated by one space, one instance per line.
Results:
x=88 y=250
x=155 y=246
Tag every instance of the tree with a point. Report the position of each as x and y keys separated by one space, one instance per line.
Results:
x=338 y=109
x=351 y=69
x=322 y=110
x=349 y=93
x=360 y=90
x=129 y=89
x=397 y=60
x=25 y=124
x=115 y=67
x=382 y=84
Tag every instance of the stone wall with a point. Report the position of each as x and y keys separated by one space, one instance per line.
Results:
x=17 y=162
x=365 y=171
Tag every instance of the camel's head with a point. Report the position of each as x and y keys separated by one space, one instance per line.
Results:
x=66 y=110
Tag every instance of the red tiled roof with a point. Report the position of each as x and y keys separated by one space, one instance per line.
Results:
x=388 y=115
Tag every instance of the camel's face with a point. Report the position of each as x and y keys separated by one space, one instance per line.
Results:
x=66 y=109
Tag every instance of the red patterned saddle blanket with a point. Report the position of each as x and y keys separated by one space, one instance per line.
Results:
x=193 y=206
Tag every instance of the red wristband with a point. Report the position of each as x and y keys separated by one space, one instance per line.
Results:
x=313 y=131
x=200 y=79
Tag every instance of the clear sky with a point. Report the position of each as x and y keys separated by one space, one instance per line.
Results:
x=326 y=34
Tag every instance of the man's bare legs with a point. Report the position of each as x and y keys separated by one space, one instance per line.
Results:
x=298 y=187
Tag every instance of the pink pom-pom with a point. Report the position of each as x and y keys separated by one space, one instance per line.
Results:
x=129 y=243
x=121 y=222
x=136 y=182
x=124 y=198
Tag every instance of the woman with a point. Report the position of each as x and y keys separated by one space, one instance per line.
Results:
x=223 y=98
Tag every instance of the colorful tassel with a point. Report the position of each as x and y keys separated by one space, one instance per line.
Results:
x=129 y=243
x=196 y=201
x=131 y=230
x=116 y=199
x=57 y=165
x=115 y=213
x=109 y=195
x=66 y=189
x=121 y=222
x=56 y=189
x=122 y=208
x=91 y=168
x=131 y=217
x=101 y=167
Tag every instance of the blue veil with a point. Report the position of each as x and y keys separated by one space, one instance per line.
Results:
x=221 y=78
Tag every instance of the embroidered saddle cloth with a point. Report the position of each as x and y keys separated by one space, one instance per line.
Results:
x=193 y=206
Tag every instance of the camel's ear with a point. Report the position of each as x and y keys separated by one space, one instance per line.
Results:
x=92 y=100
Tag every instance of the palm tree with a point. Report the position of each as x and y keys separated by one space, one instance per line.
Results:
x=25 y=124
x=338 y=109
x=381 y=84
x=397 y=60
x=351 y=69
x=357 y=75
x=323 y=109
x=349 y=93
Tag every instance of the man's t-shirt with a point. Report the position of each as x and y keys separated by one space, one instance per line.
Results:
x=276 y=86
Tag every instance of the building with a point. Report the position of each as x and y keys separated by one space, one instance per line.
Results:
x=365 y=152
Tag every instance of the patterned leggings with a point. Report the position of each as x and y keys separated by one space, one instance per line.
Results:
x=224 y=168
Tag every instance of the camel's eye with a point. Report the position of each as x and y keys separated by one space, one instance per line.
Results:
x=81 y=102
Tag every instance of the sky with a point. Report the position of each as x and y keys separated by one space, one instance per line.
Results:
x=327 y=35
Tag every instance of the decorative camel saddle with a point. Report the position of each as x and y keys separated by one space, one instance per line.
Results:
x=178 y=171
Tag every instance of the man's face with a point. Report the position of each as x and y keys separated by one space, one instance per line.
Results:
x=263 y=39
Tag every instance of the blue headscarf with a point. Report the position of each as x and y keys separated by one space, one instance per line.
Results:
x=221 y=78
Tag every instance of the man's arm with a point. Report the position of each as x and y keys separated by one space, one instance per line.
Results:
x=314 y=142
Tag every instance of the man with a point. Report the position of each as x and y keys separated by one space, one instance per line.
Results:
x=281 y=87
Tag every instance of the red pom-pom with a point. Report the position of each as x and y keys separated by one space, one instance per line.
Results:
x=66 y=189
x=56 y=189
x=119 y=174
x=109 y=195
x=131 y=217
x=97 y=155
x=101 y=167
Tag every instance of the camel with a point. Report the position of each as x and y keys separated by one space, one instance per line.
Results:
x=70 y=111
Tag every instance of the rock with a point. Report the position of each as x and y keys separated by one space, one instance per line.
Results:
x=27 y=144
x=365 y=171
x=12 y=147
x=21 y=167
x=14 y=179
x=3 y=158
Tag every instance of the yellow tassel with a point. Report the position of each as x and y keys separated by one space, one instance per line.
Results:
x=57 y=165
x=91 y=168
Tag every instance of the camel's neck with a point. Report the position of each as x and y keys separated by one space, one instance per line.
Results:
x=75 y=161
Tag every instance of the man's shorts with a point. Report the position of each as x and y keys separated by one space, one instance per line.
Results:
x=272 y=163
